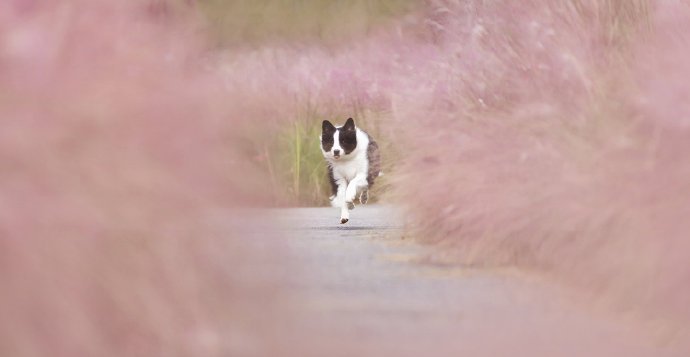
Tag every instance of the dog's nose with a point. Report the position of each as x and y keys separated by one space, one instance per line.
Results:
x=336 y=152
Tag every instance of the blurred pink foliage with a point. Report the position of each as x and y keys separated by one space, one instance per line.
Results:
x=120 y=159
x=547 y=135
x=553 y=136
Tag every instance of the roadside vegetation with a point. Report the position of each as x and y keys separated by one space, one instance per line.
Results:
x=551 y=136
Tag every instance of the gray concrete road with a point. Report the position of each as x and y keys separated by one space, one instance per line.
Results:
x=359 y=289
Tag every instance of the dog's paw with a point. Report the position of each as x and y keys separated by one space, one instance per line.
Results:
x=343 y=220
x=350 y=205
x=364 y=197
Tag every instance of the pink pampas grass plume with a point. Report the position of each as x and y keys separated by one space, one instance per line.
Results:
x=551 y=137
x=120 y=157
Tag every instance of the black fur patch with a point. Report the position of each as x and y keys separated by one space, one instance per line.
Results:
x=374 y=158
x=348 y=136
x=327 y=131
x=331 y=179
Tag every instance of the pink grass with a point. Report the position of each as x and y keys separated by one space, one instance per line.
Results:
x=120 y=161
x=550 y=136
x=553 y=138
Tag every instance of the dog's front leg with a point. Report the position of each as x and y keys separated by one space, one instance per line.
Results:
x=339 y=198
x=344 y=214
x=340 y=202
x=356 y=185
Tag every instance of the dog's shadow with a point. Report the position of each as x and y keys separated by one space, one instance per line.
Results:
x=350 y=228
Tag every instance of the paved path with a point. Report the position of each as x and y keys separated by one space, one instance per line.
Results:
x=360 y=290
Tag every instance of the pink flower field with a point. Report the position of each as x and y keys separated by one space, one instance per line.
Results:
x=552 y=137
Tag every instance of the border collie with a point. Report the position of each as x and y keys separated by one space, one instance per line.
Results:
x=353 y=161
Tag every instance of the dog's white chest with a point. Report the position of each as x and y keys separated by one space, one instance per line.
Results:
x=348 y=170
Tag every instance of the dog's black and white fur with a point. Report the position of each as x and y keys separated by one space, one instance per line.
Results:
x=353 y=161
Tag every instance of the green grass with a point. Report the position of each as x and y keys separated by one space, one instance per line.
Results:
x=257 y=21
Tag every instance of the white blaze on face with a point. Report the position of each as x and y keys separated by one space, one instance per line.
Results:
x=336 y=143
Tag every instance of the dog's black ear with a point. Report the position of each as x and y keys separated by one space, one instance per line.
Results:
x=327 y=127
x=349 y=124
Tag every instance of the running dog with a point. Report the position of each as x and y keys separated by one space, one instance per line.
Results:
x=353 y=162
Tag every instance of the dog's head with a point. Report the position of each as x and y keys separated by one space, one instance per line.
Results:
x=338 y=142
